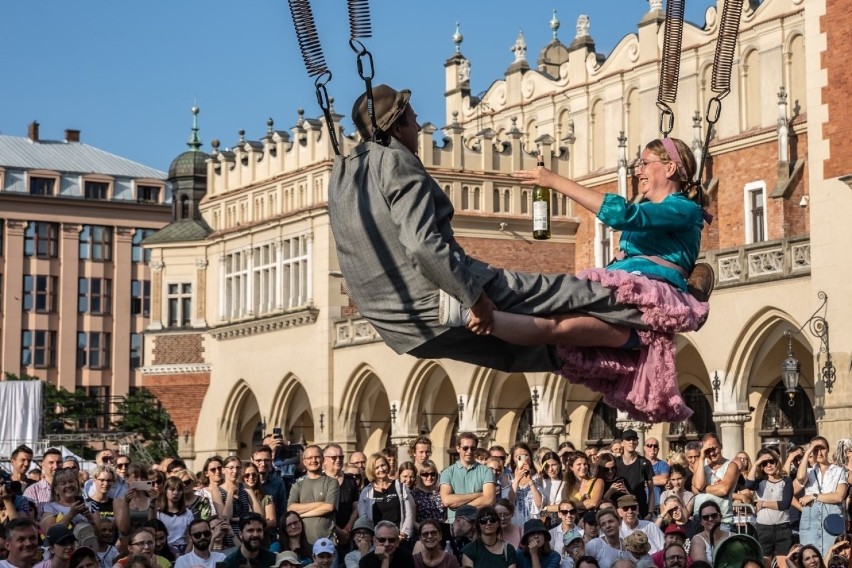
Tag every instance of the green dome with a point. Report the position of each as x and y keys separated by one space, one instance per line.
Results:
x=189 y=164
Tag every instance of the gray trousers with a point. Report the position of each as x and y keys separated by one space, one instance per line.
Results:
x=528 y=294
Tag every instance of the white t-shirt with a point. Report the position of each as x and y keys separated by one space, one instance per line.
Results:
x=176 y=525
x=191 y=559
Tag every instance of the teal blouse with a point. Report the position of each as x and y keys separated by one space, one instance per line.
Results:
x=670 y=229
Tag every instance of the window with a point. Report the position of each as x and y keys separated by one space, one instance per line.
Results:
x=39 y=293
x=148 y=194
x=94 y=296
x=135 y=350
x=236 y=284
x=96 y=243
x=265 y=274
x=603 y=426
x=755 y=212
x=41 y=240
x=295 y=269
x=603 y=240
x=140 y=298
x=96 y=190
x=137 y=253
x=93 y=350
x=41 y=185
x=180 y=304
x=38 y=348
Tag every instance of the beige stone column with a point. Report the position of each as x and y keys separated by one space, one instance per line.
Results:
x=66 y=351
x=156 y=322
x=199 y=318
x=731 y=430
x=548 y=435
x=121 y=320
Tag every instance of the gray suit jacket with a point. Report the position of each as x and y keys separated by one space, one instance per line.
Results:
x=391 y=224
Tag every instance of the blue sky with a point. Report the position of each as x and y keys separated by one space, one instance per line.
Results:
x=126 y=73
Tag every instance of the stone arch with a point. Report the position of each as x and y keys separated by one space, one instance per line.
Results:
x=508 y=399
x=365 y=396
x=240 y=419
x=795 y=67
x=751 y=103
x=759 y=339
x=291 y=410
x=597 y=128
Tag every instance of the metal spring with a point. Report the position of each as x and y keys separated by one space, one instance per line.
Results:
x=726 y=45
x=359 y=18
x=670 y=64
x=306 y=33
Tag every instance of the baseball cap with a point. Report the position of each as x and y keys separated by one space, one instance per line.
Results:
x=675 y=529
x=570 y=537
x=323 y=546
x=287 y=556
x=57 y=534
x=467 y=512
x=629 y=434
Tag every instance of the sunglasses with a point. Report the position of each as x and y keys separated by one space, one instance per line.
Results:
x=610 y=469
x=214 y=469
x=710 y=517
x=202 y=534
x=429 y=534
x=769 y=462
x=386 y=539
x=427 y=474
x=630 y=508
x=468 y=448
x=567 y=511
x=652 y=445
x=487 y=520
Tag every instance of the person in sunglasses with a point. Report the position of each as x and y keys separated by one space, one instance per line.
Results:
x=201 y=536
x=704 y=544
x=628 y=509
x=387 y=553
x=432 y=554
x=489 y=548
x=427 y=495
x=772 y=499
x=568 y=511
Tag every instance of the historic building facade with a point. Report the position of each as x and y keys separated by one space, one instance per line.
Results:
x=74 y=277
x=251 y=327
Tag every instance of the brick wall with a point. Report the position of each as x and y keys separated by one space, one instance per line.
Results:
x=837 y=25
x=178 y=349
x=526 y=255
x=182 y=395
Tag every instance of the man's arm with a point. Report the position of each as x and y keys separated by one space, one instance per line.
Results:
x=487 y=497
x=724 y=486
x=315 y=509
x=452 y=500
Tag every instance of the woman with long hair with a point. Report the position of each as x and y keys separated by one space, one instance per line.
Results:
x=579 y=483
x=677 y=479
x=552 y=484
x=810 y=557
x=236 y=501
x=212 y=476
x=607 y=472
x=291 y=536
x=174 y=514
x=386 y=499
x=251 y=481
x=432 y=553
x=489 y=548
x=525 y=492
x=824 y=484
x=704 y=544
x=773 y=493
x=139 y=503
x=66 y=505
x=510 y=532
x=673 y=512
x=426 y=495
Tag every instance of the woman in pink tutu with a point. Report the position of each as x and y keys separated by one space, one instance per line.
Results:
x=660 y=241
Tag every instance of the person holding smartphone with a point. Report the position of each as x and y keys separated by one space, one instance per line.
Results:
x=525 y=492
x=824 y=486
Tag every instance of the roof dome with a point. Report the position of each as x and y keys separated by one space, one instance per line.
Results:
x=189 y=164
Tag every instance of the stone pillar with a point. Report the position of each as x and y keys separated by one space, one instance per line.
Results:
x=548 y=435
x=156 y=321
x=625 y=423
x=199 y=317
x=731 y=430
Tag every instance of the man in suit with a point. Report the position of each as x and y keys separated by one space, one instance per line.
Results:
x=391 y=224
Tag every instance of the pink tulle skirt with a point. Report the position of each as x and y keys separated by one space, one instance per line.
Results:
x=643 y=382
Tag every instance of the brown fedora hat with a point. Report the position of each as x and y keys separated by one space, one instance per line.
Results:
x=389 y=104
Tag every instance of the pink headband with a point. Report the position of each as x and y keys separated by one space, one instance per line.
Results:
x=671 y=150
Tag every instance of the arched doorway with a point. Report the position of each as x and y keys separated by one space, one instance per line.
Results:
x=372 y=417
x=783 y=426
x=700 y=423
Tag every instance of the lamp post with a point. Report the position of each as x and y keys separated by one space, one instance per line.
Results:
x=790 y=370
x=818 y=327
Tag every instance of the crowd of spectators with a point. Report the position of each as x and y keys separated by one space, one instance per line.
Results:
x=617 y=506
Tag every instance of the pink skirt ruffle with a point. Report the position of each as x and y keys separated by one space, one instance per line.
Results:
x=642 y=383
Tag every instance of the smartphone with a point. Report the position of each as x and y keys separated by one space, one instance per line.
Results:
x=140 y=485
x=276 y=432
x=522 y=458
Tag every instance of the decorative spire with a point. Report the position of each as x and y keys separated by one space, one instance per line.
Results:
x=655 y=5
x=554 y=24
x=194 y=141
x=458 y=38
x=520 y=48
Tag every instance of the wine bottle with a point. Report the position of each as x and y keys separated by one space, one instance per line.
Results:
x=541 y=210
